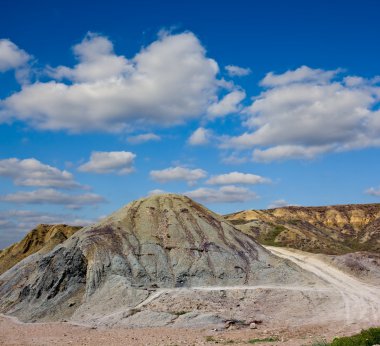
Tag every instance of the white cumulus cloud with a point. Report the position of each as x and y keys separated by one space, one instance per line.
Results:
x=166 y=83
x=31 y=172
x=237 y=71
x=286 y=152
x=225 y=194
x=11 y=56
x=237 y=178
x=142 y=138
x=301 y=74
x=103 y=162
x=178 y=174
x=200 y=136
x=305 y=113
x=227 y=105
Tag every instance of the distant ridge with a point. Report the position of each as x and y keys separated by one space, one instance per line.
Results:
x=43 y=238
x=335 y=229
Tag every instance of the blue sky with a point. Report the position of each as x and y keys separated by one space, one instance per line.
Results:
x=243 y=104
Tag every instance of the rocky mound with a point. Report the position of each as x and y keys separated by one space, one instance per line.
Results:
x=331 y=230
x=41 y=239
x=164 y=241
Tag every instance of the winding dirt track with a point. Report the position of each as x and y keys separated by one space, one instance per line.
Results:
x=361 y=300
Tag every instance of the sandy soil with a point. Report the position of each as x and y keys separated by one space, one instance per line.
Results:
x=13 y=332
x=357 y=306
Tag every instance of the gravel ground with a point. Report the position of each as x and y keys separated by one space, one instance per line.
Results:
x=13 y=332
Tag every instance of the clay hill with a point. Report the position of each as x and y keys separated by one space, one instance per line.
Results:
x=331 y=230
x=41 y=239
x=115 y=267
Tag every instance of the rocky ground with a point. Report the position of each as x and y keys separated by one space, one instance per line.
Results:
x=46 y=334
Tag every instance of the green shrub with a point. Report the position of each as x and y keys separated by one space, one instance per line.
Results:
x=367 y=337
x=270 y=339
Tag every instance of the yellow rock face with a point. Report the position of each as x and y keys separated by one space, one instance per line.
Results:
x=331 y=229
x=43 y=238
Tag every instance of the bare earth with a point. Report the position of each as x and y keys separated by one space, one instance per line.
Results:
x=348 y=306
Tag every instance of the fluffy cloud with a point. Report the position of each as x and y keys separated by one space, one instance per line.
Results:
x=237 y=178
x=200 y=136
x=102 y=162
x=51 y=196
x=177 y=174
x=236 y=71
x=373 y=192
x=304 y=113
x=227 y=105
x=286 y=152
x=167 y=82
x=31 y=172
x=225 y=194
x=145 y=137
x=11 y=56
x=301 y=74
x=97 y=61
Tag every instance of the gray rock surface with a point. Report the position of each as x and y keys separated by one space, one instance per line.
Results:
x=164 y=241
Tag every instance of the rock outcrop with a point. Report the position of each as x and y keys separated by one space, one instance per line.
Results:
x=331 y=230
x=164 y=241
x=41 y=239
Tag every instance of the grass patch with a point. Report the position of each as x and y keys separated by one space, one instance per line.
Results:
x=270 y=339
x=269 y=237
x=366 y=337
x=238 y=221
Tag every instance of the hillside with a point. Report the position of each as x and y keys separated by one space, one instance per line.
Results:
x=160 y=242
x=43 y=238
x=331 y=230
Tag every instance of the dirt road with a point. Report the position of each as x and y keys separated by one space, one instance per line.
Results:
x=361 y=300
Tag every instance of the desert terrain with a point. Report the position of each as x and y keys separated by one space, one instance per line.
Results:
x=167 y=271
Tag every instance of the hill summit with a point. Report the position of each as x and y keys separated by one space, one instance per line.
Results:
x=156 y=242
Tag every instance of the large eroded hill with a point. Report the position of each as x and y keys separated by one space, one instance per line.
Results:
x=332 y=230
x=160 y=242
